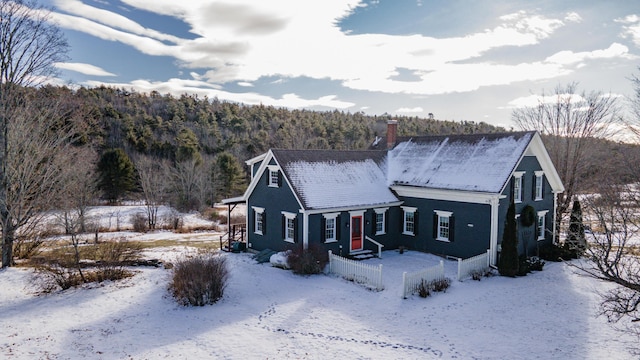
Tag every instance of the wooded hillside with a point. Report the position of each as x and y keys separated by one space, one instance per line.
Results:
x=188 y=128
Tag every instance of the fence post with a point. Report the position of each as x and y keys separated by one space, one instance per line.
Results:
x=330 y=263
x=488 y=258
x=380 y=278
x=404 y=285
x=459 y=269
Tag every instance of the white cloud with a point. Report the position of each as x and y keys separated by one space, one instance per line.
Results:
x=631 y=28
x=288 y=39
x=573 y=17
x=177 y=87
x=568 y=57
x=245 y=84
x=86 y=69
x=410 y=110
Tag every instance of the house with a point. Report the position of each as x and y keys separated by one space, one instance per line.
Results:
x=445 y=195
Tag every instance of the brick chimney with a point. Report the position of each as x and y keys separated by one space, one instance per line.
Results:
x=392 y=127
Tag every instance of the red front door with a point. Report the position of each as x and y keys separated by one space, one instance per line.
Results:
x=356 y=233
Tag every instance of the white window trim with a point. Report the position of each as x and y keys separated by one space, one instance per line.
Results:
x=272 y=169
x=541 y=232
x=446 y=214
x=518 y=175
x=408 y=209
x=540 y=182
x=257 y=211
x=333 y=216
x=382 y=211
x=288 y=216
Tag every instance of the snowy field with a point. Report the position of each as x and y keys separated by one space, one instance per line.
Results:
x=269 y=313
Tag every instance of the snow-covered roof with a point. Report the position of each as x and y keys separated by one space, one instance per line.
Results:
x=325 y=179
x=481 y=163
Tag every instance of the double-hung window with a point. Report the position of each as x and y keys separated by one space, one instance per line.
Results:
x=538 y=187
x=380 y=215
x=409 y=220
x=517 y=186
x=288 y=226
x=541 y=224
x=443 y=225
x=273 y=179
x=330 y=227
x=259 y=223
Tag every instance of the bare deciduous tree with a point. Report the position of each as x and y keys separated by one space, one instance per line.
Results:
x=612 y=256
x=191 y=180
x=30 y=47
x=80 y=191
x=38 y=165
x=153 y=181
x=567 y=120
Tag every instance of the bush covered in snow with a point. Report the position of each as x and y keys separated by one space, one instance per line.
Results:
x=199 y=280
x=280 y=260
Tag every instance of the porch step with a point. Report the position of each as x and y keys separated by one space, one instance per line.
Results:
x=361 y=255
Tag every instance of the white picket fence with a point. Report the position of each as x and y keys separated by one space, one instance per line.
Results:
x=411 y=281
x=356 y=271
x=477 y=263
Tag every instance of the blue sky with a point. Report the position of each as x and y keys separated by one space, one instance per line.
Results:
x=460 y=60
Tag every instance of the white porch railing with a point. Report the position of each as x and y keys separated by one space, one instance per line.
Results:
x=356 y=271
x=380 y=246
x=411 y=281
x=477 y=263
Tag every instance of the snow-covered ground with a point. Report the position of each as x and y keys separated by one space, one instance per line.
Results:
x=270 y=313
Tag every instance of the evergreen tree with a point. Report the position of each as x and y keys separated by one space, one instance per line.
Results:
x=231 y=178
x=509 y=262
x=575 y=237
x=117 y=174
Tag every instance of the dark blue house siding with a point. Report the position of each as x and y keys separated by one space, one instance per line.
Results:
x=342 y=245
x=528 y=243
x=274 y=200
x=471 y=227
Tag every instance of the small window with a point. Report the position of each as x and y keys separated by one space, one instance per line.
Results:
x=289 y=226
x=443 y=225
x=541 y=224
x=380 y=215
x=409 y=220
x=330 y=227
x=538 y=185
x=258 y=214
x=517 y=186
x=273 y=176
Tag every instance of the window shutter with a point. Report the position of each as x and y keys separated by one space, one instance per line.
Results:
x=323 y=229
x=284 y=227
x=268 y=172
x=386 y=222
x=279 y=179
x=533 y=187
x=415 y=223
x=542 y=187
x=295 y=230
x=252 y=221
x=264 y=222
x=512 y=185
x=338 y=226
x=374 y=221
x=452 y=227
x=435 y=225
